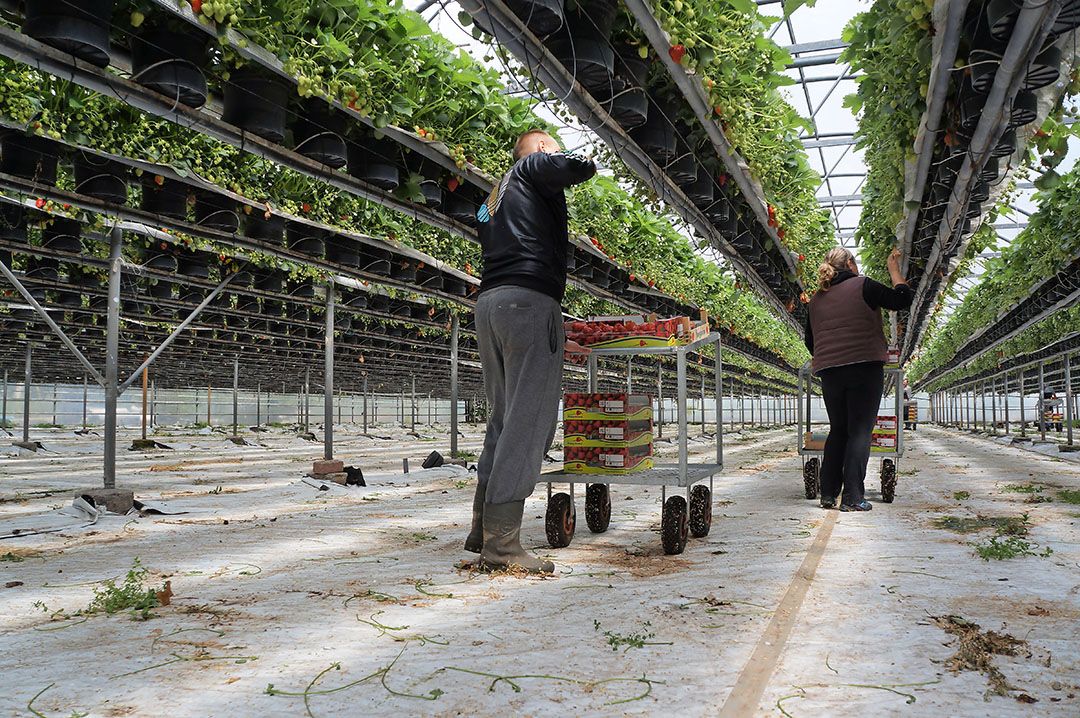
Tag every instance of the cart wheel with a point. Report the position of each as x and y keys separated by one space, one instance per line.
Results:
x=811 y=473
x=888 y=480
x=598 y=507
x=700 y=511
x=560 y=521
x=674 y=526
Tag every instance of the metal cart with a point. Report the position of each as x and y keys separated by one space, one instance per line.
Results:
x=811 y=458
x=680 y=516
x=911 y=415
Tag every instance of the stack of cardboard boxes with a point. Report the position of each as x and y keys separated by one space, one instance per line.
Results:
x=884 y=437
x=607 y=433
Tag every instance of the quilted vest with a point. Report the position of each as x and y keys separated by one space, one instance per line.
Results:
x=846 y=330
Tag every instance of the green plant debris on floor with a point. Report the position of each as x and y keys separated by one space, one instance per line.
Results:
x=632 y=640
x=1027 y=488
x=1004 y=525
x=1000 y=548
x=133 y=594
x=961 y=495
x=1069 y=496
x=976 y=648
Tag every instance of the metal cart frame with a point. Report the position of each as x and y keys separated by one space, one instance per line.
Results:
x=680 y=516
x=811 y=458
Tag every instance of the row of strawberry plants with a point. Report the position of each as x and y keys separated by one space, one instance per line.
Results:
x=725 y=43
x=59 y=109
x=1049 y=242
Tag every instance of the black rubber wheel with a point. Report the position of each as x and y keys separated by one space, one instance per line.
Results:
x=598 y=507
x=811 y=474
x=674 y=526
x=888 y=480
x=560 y=521
x=700 y=511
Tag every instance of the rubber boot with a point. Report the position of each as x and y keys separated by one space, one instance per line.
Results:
x=502 y=539
x=475 y=541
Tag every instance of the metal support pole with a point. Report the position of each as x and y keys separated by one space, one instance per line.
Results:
x=454 y=330
x=53 y=420
x=235 y=394
x=1006 y=403
x=630 y=375
x=993 y=406
x=153 y=404
x=659 y=399
x=209 y=404
x=328 y=378
x=718 y=388
x=1039 y=403
x=145 y=388
x=731 y=405
x=306 y=406
x=412 y=406
x=85 y=396
x=680 y=374
x=3 y=411
x=28 y=377
x=112 y=357
x=1068 y=401
x=365 y=403
x=258 y=404
x=703 y=405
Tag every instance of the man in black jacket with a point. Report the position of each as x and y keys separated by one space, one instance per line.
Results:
x=519 y=327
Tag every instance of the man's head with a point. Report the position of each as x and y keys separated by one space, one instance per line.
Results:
x=534 y=141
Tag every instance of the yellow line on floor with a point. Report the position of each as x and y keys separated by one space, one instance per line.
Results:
x=745 y=697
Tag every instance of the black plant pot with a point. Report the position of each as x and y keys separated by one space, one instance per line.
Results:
x=744 y=244
x=169 y=60
x=169 y=199
x=1024 y=110
x=306 y=240
x=1045 y=68
x=214 y=211
x=255 y=101
x=1006 y=145
x=433 y=194
x=461 y=205
x=584 y=271
x=29 y=156
x=724 y=218
x=542 y=17
x=69 y=300
x=45 y=269
x=100 y=178
x=1001 y=17
x=193 y=264
x=589 y=58
x=154 y=257
x=990 y=171
x=161 y=290
x=12 y=223
x=403 y=271
x=344 y=251
x=430 y=278
x=683 y=170
x=63 y=235
x=260 y=228
x=302 y=290
x=985 y=54
x=357 y=301
x=319 y=133
x=700 y=190
x=1067 y=20
x=375 y=162
x=630 y=108
x=657 y=136
x=78 y=28
x=454 y=286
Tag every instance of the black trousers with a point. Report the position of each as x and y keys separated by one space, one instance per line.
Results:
x=852 y=396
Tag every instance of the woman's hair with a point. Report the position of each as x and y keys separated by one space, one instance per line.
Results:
x=836 y=260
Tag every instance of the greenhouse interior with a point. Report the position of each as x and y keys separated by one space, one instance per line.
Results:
x=312 y=314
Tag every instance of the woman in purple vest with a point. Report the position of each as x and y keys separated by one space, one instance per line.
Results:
x=847 y=338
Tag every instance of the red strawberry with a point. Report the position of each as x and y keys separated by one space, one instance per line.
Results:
x=677 y=53
x=453 y=184
x=39 y=203
x=196 y=6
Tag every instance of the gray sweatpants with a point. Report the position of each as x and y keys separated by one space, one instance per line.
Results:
x=520 y=333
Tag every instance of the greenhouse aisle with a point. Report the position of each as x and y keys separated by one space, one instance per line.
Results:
x=280 y=588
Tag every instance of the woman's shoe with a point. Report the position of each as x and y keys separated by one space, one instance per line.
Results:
x=861 y=506
x=828 y=502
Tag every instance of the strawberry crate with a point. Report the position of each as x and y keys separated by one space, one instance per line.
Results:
x=610 y=433
x=611 y=461
x=637 y=331
x=585 y=406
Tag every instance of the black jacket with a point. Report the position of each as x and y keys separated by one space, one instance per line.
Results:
x=522 y=224
x=875 y=294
